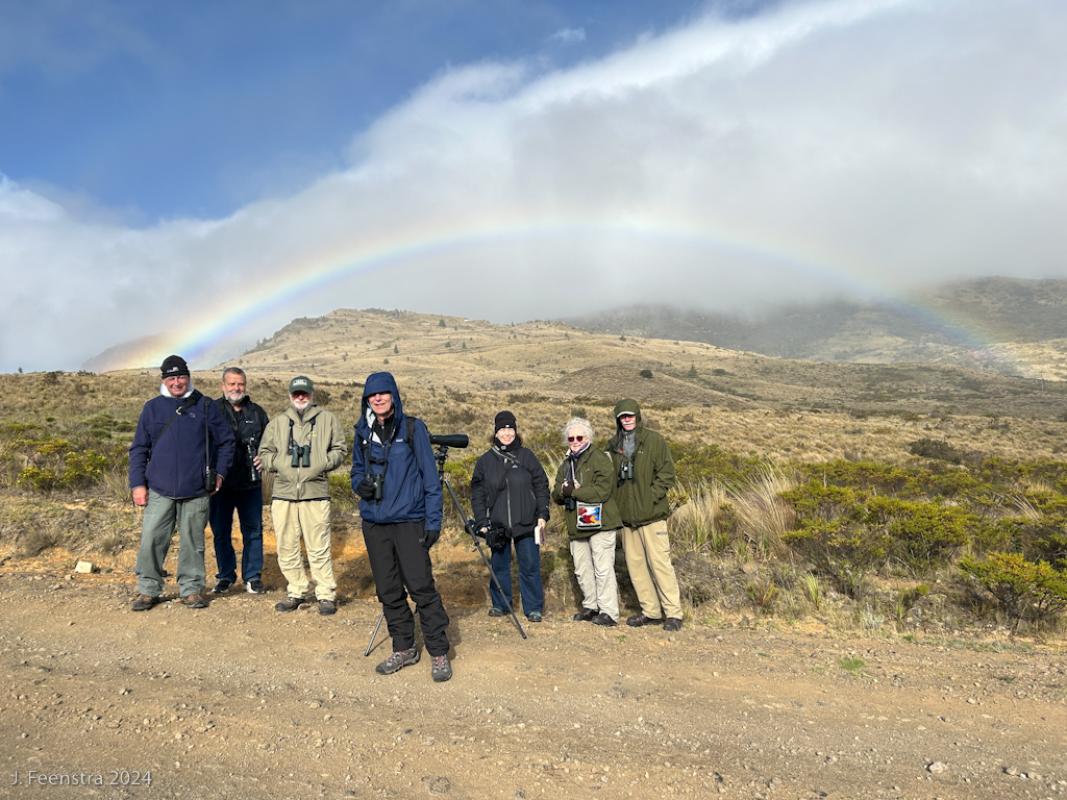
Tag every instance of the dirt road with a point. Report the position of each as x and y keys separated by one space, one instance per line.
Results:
x=239 y=701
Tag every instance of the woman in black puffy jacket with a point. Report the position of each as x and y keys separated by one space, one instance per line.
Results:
x=509 y=494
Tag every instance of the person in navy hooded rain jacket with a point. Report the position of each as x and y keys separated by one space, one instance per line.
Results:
x=395 y=476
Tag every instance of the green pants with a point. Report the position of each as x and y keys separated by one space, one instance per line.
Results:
x=162 y=516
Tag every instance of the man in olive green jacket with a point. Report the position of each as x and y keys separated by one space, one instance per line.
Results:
x=299 y=448
x=644 y=473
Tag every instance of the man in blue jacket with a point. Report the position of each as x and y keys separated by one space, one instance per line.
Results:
x=179 y=436
x=395 y=475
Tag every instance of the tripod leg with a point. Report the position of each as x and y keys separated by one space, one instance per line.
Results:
x=492 y=576
x=374 y=634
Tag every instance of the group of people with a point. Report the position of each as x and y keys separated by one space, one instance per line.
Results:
x=196 y=460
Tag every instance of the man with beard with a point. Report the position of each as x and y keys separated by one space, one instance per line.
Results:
x=180 y=434
x=300 y=447
x=395 y=475
x=243 y=491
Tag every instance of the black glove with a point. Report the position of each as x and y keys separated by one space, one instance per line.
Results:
x=429 y=538
x=365 y=488
x=483 y=527
x=566 y=489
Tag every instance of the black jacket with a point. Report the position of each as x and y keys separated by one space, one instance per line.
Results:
x=247 y=426
x=510 y=489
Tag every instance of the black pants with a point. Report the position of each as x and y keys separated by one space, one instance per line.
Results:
x=401 y=566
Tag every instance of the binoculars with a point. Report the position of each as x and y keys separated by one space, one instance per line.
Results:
x=377 y=481
x=301 y=454
x=253 y=473
x=626 y=471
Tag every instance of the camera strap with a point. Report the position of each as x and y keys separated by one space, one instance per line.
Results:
x=292 y=441
x=364 y=443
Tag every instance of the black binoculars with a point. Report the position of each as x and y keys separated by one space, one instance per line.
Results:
x=377 y=481
x=626 y=471
x=253 y=473
x=301 y=454
x=570 y=503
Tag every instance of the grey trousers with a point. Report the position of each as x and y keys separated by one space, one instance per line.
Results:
x=161 y=516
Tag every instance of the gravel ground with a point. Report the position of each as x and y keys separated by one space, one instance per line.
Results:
x=237 y=700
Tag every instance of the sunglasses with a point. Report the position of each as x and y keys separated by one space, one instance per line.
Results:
x=575 y=438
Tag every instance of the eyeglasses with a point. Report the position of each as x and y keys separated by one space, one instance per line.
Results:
x=575 y=438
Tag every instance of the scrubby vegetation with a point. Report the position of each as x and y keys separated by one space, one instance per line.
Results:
x=938 y=536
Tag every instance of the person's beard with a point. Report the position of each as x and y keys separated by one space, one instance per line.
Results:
x=301 y=405
x=235 y=398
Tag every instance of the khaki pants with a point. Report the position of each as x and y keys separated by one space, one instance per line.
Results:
x=309 y=519
x=594 y=566
x=648 y=560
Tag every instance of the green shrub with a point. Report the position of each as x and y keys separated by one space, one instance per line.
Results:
x=842 y=551
x=937 y=450
x=41 y=479
x=1023 y=589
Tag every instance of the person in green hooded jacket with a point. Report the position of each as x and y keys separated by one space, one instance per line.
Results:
x=584 y=484
x=644 y=473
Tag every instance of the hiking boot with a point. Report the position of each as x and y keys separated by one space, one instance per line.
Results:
x=398 y=660
x=222 y=586
x=195 y=600
x=604 y=619
x=586 y=615
x=327 y=607
x=440 y=669
x=534 y=616
x=255 y=586
x=672 y=625
x=144 y=602
x=289 y=604
x=640 y=620
x=497 y=612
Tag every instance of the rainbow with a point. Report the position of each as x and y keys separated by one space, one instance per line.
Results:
x=285 y=284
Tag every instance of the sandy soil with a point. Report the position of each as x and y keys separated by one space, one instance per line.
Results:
x=237 y=700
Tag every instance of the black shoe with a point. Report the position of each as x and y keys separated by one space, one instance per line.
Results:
x=222 y=586
x=289 y=604
x=672 y=624
x=640 y=620
x=497 y=612
x=586 y=615
x=604 y=619
x=327 y=607
x=398 y=660
x=255 y=586
x=144 y=602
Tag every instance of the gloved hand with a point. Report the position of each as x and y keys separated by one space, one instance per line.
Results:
x=566 y=489
x=483 y=527
x=365 y=488
x=429 y=538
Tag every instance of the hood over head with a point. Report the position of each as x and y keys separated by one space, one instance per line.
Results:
x=381 y=382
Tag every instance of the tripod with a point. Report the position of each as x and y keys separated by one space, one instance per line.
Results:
x=440 y=454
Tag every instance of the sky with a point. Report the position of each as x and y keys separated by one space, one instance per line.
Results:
x=203 y=172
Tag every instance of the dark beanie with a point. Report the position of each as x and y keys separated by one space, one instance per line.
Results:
x=174 y=365
x=505 y=419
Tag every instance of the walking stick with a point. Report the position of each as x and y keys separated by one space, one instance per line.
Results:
x=374 y=634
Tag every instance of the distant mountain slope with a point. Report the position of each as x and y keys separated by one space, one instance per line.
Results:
x=1009 y=325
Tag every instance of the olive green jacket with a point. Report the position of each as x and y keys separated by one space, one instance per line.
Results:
x=328 y=451
x=643 y=499
x=593 y=471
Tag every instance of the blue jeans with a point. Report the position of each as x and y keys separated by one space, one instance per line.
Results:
x=249 y=506
x=530 y=588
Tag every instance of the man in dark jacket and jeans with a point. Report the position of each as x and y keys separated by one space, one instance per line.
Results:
x=179 y=434
x=644 y=473
x=395 y=476
x=243 y=490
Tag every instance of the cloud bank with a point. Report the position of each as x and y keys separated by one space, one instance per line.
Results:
x=856 y=147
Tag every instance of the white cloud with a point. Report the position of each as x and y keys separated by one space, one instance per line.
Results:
x=827 y=146
x=565 y=36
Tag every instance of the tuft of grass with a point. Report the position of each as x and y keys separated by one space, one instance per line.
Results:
x=852 y=664
x=763 y=517
x=698 y=524
x=812 y=590
x=36 y=542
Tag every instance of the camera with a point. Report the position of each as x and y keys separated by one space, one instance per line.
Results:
x=301 y=454
x=626 y=471
x=570 y=504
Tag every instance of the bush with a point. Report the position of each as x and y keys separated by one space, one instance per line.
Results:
x=1023 y=589
x=842 y=551
x=937 y=450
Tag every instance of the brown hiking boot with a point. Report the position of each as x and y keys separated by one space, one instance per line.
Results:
x=144 y=602
x=195 y=600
